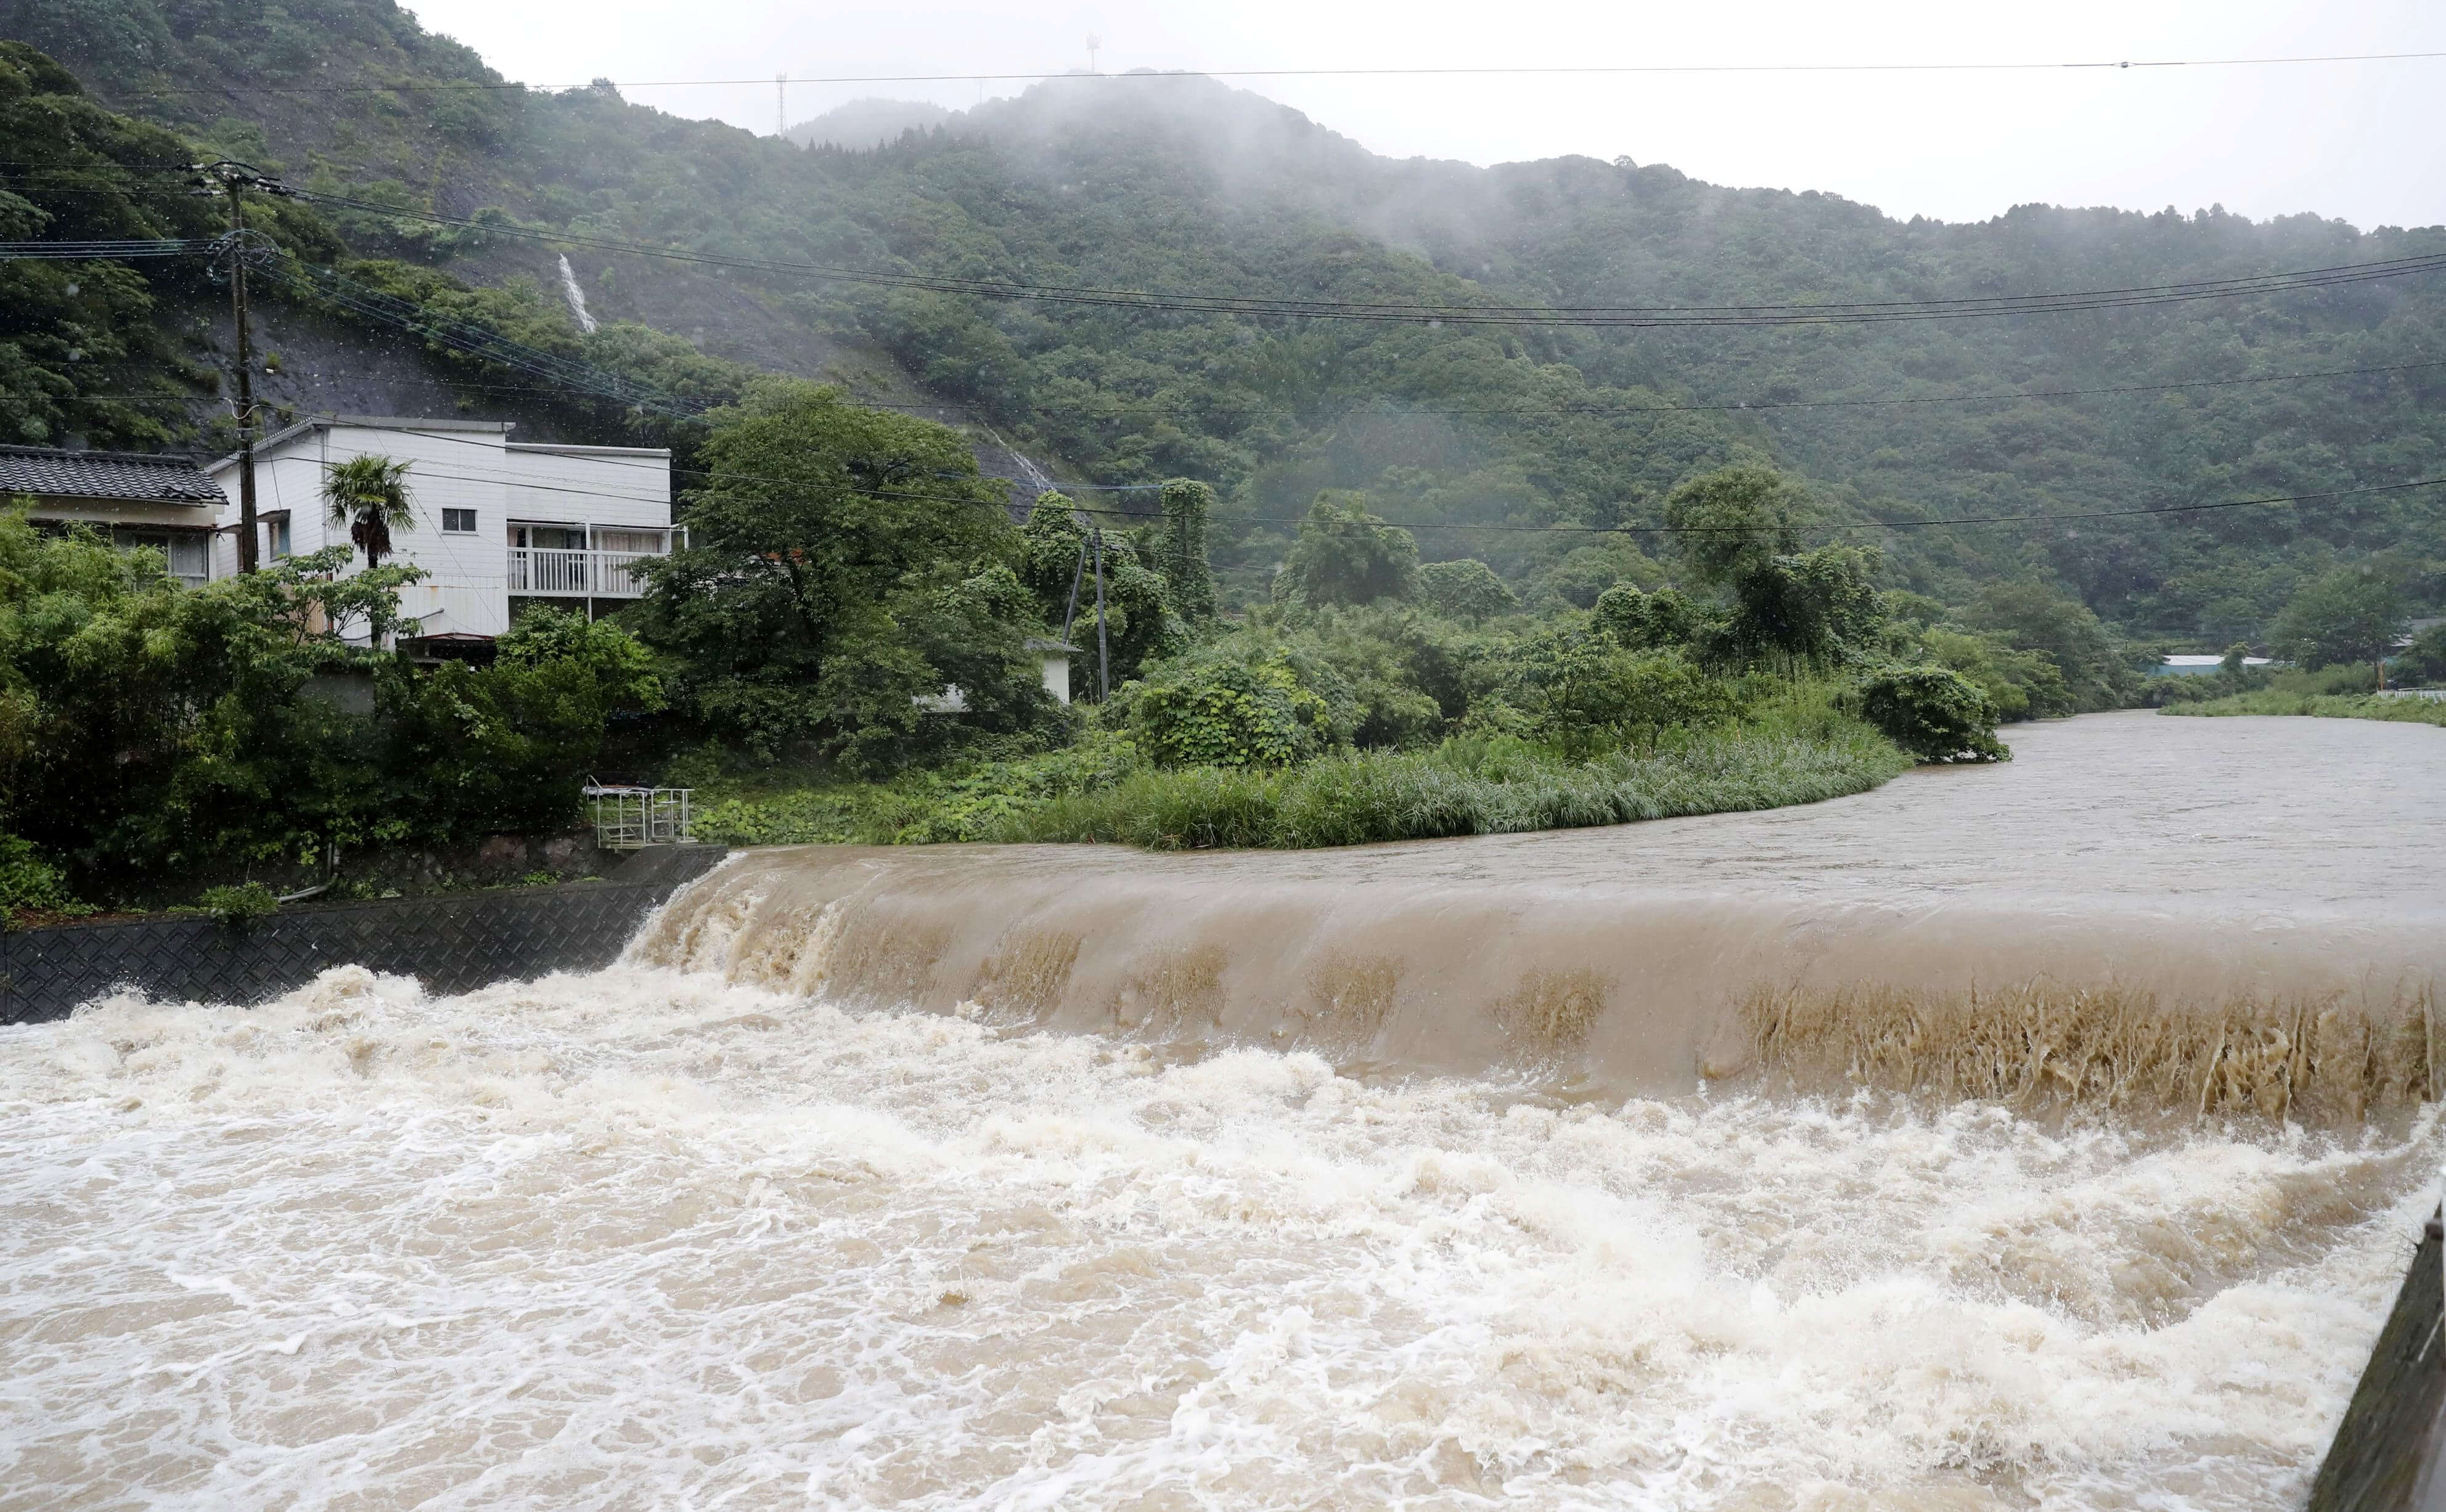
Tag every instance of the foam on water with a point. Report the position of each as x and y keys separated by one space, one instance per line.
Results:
x=656 y=1240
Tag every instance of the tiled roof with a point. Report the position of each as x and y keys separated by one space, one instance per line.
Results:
x=122 y=475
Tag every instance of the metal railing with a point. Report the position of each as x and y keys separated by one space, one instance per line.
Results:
x=577 y=573
x=634 y=817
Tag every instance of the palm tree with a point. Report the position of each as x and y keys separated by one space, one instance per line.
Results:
x=369 y=496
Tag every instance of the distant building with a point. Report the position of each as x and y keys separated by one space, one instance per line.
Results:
x=2201 y=666
x=137 y=499
x=500 y=524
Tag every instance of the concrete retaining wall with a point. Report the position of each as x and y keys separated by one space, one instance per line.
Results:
x=2385 y=1457
x=451 y=942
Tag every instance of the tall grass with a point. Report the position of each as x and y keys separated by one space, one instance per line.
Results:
x=2324 y=706
x=1464 y=788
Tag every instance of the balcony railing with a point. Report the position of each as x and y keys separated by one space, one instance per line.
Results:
x=548 y=571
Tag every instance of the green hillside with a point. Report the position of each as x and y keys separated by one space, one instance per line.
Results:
x=1183 y=184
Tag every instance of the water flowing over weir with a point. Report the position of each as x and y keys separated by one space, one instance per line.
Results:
x=2046 y=931
x=823 y=1199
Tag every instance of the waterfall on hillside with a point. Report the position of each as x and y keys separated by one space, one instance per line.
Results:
x=575 y=296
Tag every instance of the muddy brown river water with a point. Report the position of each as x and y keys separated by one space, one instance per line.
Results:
x=2043 y=1135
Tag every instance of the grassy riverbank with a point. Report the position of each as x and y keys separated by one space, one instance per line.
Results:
x=1795 y=750
x=2323 y=706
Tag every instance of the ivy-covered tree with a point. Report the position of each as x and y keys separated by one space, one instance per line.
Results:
x=1181 y=550
x=1347 y=555
x=1466 y=590
x=1739 y=530
x=1057 y=559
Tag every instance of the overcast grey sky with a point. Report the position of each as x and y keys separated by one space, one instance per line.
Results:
x=2361 y=142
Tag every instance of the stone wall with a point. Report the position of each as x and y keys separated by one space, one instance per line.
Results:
x=451 y=942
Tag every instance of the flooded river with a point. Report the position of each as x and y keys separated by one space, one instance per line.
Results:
x=2042 y=1135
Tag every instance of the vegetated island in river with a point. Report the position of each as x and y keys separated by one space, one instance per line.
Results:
x=1795 y=749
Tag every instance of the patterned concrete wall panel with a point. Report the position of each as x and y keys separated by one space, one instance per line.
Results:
x=451 y=943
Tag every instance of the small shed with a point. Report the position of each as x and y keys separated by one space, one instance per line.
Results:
x=1053 y=657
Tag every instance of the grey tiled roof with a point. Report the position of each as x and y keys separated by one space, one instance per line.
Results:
x=106 y=475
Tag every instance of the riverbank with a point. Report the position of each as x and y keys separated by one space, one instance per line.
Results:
x=1798 y=751
x=2399 y=710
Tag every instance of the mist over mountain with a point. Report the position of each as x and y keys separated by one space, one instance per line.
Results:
x=863 y=124
x=1480 y=436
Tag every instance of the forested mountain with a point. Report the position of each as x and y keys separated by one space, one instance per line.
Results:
x=1175 y=183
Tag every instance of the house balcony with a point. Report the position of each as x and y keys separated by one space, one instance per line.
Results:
x=547 y=572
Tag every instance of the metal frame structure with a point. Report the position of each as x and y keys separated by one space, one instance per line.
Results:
x=634 y=818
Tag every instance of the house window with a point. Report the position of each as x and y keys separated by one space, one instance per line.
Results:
x=547 y=538
x=276 y=530
x=185 y=552
x=459 y=522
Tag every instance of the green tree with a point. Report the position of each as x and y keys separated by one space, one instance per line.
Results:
x=1812 y=606
x=2033 y=616
x=1347 y=555
x=369 y=496
x=1733 y=522
x=147 y=725
x=819 y=598
x=2424 y=660
x=1647 y=621
x=2347 y=614
x=1466 y=590
x=506 y=747
x=2022 y=684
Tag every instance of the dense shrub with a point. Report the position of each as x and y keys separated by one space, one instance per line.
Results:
x=239 y=905
x=1935 y=714
x=31 y=884
x=1231 y=712
x=1585 y=694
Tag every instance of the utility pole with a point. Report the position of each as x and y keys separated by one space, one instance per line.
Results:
x=780 y=104
x=1103 y=651
x=233 y=183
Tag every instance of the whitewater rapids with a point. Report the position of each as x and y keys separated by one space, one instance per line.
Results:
x=687 y=1234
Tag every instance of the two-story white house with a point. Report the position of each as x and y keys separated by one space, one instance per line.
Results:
x=499 y=523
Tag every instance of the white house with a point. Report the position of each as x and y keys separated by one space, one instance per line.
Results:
x=499 y=523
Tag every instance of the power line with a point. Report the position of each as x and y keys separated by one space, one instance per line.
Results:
x=1473 y=70
x=107 y=251
x=570 y=484
x=1457 y=314
x=1124 y=403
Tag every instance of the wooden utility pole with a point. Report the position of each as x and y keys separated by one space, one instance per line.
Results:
x=233 y=183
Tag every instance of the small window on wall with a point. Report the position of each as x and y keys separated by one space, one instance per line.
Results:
x=459 y=522
x=277 y=530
